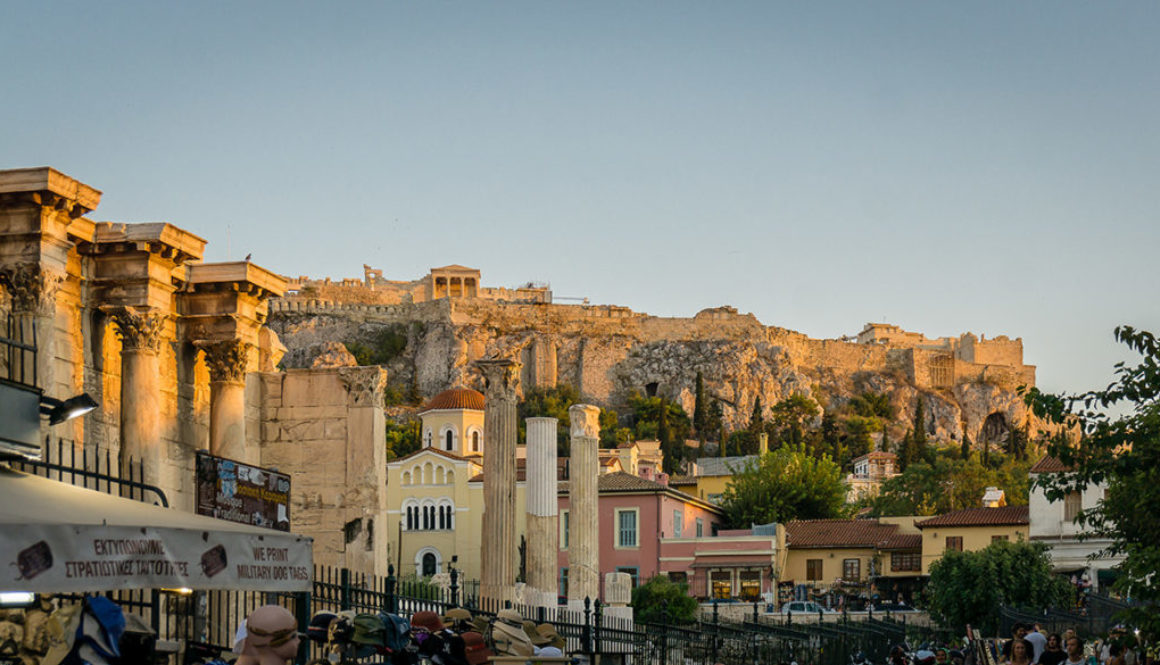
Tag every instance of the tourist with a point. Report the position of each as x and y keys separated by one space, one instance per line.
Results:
x=1053 y=653
x=1037 y=640
x=1021 y=652
x=1074 y=650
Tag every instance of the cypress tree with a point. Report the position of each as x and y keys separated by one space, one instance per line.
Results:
x=757 y=418
x=965 y=452
x=919 y=447
x=700 y=410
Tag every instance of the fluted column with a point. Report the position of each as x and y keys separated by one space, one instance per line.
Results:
x=583 y=498
x=227 y=398
x=140 y=330
x=542 y=526
x=499 y=553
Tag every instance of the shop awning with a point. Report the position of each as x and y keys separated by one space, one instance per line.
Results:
x=61 y=538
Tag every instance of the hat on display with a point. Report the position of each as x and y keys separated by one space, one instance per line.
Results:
x=475 y=649
x=511 y=617
x=427 y=620
x=457 y=615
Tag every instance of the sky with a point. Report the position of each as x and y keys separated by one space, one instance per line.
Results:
x=945 y=166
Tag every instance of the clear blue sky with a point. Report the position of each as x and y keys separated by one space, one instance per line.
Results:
x=947 y=166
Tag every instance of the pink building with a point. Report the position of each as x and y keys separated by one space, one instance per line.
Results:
x=648 y=528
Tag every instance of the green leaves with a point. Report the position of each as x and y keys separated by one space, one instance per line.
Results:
x=785 y=484
x=662 y=601
x=948 y=482
x=968 y=587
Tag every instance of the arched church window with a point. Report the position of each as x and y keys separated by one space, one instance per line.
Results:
x=475 y=441
x=429 y=564
x=427 y=438
x=449 y=440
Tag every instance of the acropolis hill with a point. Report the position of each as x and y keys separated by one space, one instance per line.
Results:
x=968 y=383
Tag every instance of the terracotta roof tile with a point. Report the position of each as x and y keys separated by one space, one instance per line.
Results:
x=1048 y=464
x=458 y=397
x=902 y=541
x=1002 y=516
x=838 y=533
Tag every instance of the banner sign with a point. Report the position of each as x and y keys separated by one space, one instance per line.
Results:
x=237 y=492
x=51 y=558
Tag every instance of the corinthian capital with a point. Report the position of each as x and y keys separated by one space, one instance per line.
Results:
x=226 y=360
x=502 y=377
x=139 y=328
x=33 y=290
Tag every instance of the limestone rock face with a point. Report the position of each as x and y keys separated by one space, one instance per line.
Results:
x=608 y=353
x=331 y=354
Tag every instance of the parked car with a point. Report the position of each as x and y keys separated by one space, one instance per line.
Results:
x=804 y=607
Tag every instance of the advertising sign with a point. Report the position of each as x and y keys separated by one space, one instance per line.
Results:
x=242 y=493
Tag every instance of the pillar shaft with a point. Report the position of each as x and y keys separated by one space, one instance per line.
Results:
x=227 y=398
x=542 y=525
x=499 y=552
x=583 y=498
x=140 y=330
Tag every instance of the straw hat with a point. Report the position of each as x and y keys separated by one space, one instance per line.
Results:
x=456 y=615
x=510 y=616
x=546 y=634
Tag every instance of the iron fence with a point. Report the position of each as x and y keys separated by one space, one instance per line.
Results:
x=1098 y=616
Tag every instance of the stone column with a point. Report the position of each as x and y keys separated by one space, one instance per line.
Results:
x=140 y=330
x=33 y=300
x=227 y=398
x=542 y=525
x=583 y=499
x=618 y=596
x=499 y=553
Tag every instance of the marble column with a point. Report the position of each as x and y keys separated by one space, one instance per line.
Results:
x=583 y=500
x=542 y=524
x=499 y=552
x=140 y=330
x=227 y=398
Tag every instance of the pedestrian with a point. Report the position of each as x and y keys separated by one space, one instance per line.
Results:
x=1018 y=632
x=1074 y=650
x=1053 y=653
x=1021 y=652
x=1037 y=640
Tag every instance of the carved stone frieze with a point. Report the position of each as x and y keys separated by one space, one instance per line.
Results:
x=226 y=360
x=364 y=385
x=31 y=289
x=45 y=199
x=139 y=328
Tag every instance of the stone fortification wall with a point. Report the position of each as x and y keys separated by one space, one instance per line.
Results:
x=608 y=352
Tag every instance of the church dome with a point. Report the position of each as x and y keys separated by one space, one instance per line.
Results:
x=458 y=397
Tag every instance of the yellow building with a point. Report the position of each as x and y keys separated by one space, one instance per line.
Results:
x=453 y=422
x=970 y=530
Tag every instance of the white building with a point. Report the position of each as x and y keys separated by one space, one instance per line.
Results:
x=1054 y=523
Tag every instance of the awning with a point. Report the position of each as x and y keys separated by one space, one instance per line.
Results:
x=61 y=538
x=731 y=562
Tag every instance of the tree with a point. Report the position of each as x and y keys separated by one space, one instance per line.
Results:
x=661 y=600
x=782 y=485
x=788 y=419
x=947 y=482
x=554 y=402
x=872 y=405
x=700 y=410
x=920 y=448
x=969 y=587
x=905 y=450
x=757 y=418
x=965 y=450
x=1121 y=449
x=403 y=438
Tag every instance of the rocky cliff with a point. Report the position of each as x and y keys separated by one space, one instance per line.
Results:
x=609 y=352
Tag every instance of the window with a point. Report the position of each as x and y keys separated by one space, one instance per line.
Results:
x=954 y=543
x=1072 y=504
x=1000 y=539
x=449 y=440
x=678 y=523
x=564 y=529
x=851 y=570
x=429 y=564
x=427 y=438
x=722 y=583
x=626 y=528
x=679 y=578
x=813 y=569
x=700 y=527
x=475 y=441
x=633 y=571
x=750 y=583
x=564 y=582
x=905 y=561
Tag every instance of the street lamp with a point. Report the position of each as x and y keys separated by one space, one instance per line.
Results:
x=59 y=411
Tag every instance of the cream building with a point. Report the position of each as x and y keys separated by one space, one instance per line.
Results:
x=453 y=422
x=970 y=530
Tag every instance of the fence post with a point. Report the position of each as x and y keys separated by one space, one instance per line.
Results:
x=755 y=611
x=392 y=601
x=716 y=630
x=587 y=635
x=302 y=614
x=344 y=588
x=454 y=583
x=599 y=623
x=665 y=637
x=789 y=617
